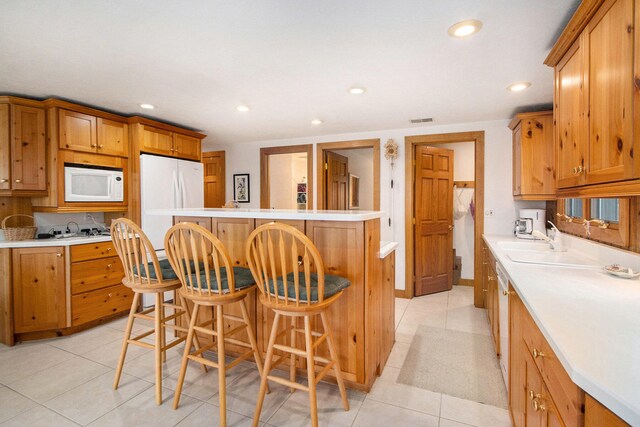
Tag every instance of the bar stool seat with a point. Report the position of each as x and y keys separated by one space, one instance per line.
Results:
x=332 y=285
x=242 y=278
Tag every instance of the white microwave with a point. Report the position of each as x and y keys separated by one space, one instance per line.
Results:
x=93 y=184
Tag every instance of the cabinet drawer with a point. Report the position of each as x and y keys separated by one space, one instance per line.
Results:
x=105 y=302
x=567 y=396
x=92 y=251
x=95 y=274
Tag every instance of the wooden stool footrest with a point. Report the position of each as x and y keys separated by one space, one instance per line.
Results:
x=324 y=371
x=278 y=361
x=320 y=340
x=203 y=361
x=144 y=316
x=289 y=349
x=173 y=343
x=142 y=335
x=233 y=317
x=141 y=344
x=239 y=359
x=202 y=349
x=313 y=333
x=177 y=328
x=288 y=383
x=171 y=305
x=237 y=342
x=173 y=316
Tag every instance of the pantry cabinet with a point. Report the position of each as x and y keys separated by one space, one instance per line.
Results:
x=88 y=133
x=22 y=149
x=39 y=297
x=594 y=97
x=533 y=156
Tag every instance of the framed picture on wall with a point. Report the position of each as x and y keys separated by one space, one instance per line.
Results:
x=241 y=188
x=354 y=191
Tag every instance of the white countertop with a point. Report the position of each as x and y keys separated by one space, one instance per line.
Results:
x=36 y=243
x=354 y=215
x=591 y=321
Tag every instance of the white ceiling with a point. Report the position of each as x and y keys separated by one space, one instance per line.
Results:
x=290 y=61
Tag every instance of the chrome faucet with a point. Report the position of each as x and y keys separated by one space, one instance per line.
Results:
x=557 y=243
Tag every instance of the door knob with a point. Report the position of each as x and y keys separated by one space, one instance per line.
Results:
x=450 y=227
x=4 y=180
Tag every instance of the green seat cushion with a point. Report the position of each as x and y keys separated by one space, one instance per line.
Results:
x=332 y=285
x=243 y=279
x=166 y=271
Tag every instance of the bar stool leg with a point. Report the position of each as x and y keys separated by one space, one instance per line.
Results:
x=334 y=357
x=311 y=372
x=292 y=367
x=158 y=348
x=196 y=343
x=163 y=329
x=222 y=365
x=252 y=338
x=185 y=358
x=125 y=341
x=267 y=369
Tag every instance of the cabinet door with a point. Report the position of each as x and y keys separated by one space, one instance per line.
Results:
x=77 y=131
x=186 y=147
x=534 y=393
x=5 y=148
x=113 y=137
x=156 y=141
x=28 y=148
x=39 y=297
x=517 y=160
x=609 y=37
x=517 y=365
x=537 y=160
x=570 y=118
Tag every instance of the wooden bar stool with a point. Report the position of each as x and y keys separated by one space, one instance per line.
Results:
x=145 y=274
x=204 y=268
x=289 y=272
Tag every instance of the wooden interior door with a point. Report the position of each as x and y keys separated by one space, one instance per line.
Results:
x=337 y=179
x=433 y=213
x=214 y=179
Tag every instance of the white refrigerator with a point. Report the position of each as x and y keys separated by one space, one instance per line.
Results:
x=167 y=183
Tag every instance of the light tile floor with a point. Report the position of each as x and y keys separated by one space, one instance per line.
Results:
x=67 y=382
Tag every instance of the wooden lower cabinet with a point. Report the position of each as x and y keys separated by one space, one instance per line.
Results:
x=93 y=305
x=490 y=290
x=38 y=289
x=596 y=415
x=387 y=318
x=540 y=390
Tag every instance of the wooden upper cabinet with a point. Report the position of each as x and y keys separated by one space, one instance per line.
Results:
x=164 y=142
x=22 y=150
x=78 y=131
x=609 y=55
x=158 y=141
x=84 y=132
x=39 y=295
x=186 y=147
x=533 y=156
x=113 y=137
x=594 y=96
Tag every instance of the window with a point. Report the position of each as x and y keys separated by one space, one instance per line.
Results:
x=602 y=219
x=573 y=208
x=606 y=209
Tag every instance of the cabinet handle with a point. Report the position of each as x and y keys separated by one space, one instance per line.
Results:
x=94 y=145
x=4 y=180
x=505 y=293
x=108 y=249
x=110 y=295
x=484 y=290
x=533 y=395
x=58 y=255
x=100 y=146
x=491 y=278
x=537 y=406
x=109 y=265
x=537 y=353
x=18 y=181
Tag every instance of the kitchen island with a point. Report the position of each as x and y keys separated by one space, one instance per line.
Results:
x=349 y=243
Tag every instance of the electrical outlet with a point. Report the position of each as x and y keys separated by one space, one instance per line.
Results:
x=88 y=217
x=489 y=212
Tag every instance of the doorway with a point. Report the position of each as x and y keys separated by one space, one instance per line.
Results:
x=411 y=199
x=290 y=170
x=349 y=175
x=213 y=163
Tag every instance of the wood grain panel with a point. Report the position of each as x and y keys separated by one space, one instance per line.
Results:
x=186 y=147
x=156 y=141
x=28 y=152
x=597 y=415
x=103 y=302
x=214 y=179
x=113 y=137
x=39 y=297
x=6 y=298
x=387 y=313
x=5 y=148
x=78 y=131
x=95 y=274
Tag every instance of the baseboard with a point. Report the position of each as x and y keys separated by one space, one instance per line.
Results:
x=466 y=282
x=402 y=293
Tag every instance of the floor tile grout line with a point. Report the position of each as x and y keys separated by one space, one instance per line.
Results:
x=43 y=406
x=459 y=422
x=190 y=413
x=409 y=409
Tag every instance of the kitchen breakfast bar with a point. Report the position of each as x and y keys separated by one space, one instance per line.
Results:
x=349 y=242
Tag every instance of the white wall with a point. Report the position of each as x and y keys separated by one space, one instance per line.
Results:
x=282 y=194
x=245 y=158
x=361 y=165
x=463 y=170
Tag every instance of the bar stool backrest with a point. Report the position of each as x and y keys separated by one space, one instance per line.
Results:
x=136 y=252
x=280 y=252
x=195 y=254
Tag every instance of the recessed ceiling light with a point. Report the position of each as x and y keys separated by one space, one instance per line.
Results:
x=465 y=28
x=242 y=108
x=147 y=106
x=357 y=90
x=517 y=87
x=316 y=122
